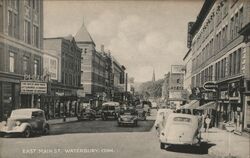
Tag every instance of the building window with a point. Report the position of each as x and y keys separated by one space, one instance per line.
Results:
x=28 y=2
x=34 y=2
x=12 y=62
x=238 y=61
x=27 y=32
x=10 y=23
x=25 y=65
x=35 y=36
x=35 y=67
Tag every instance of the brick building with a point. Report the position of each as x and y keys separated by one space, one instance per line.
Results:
x=173 y=92
x=102 y=75
x=21 y=34
x=62 y=61
x=220 y=53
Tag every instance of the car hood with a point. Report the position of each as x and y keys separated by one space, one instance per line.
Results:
x=128 y=116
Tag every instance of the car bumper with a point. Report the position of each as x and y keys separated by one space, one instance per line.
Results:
x=13 y=130
x=174 y=142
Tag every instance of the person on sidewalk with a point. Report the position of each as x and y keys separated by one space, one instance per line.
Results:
x=207 y=122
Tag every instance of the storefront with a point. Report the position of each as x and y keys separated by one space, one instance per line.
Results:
x=9 y=98
x=230 y=104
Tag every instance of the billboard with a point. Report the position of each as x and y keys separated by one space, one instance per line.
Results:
x=51 y=66
x=33 y=87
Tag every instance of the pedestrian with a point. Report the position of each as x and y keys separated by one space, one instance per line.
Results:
x=207 y=122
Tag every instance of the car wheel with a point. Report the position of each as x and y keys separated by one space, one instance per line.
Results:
x=27 y=132
x=46 y=130
x=162 y=146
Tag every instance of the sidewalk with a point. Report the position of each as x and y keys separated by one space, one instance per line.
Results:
x=60 y=120
x=227 y=145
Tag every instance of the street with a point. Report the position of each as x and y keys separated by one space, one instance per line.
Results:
x=97 y=139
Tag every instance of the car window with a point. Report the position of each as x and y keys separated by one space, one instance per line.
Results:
x=105 y=108
x=111 y=108
x=37 y=114
x=182 y=119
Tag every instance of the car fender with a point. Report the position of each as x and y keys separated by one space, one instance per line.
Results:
x=23 y=126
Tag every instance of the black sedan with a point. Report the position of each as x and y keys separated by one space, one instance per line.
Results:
x=87 y=114
x=128 y=118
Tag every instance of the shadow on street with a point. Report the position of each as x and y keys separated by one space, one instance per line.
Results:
x=98 y=126
x=202 y=149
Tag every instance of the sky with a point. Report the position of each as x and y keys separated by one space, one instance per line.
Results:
x=141 y=35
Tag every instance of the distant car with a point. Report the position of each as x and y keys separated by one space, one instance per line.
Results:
x=128 y=117
x=25 y=122
x=181 y=129
x=110 y=110
x=87 y=114
x=140 y=112
x=154 y=105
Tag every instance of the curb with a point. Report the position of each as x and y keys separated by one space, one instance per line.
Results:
x=60 y=120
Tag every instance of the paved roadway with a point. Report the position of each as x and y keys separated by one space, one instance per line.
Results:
x=96 y=139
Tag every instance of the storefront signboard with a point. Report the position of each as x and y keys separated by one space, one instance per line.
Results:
x=210 y=86
x=33 y=87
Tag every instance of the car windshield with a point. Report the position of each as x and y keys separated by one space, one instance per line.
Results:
x=111 y=108
x=182 y=119
x=21 y=114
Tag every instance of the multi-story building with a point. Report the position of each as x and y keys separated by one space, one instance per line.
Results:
x=118 y=80
x=220 y=53
x=62 y=61
x=173 y=91
x=102 y=74
x=93 y=65
x=21 y=34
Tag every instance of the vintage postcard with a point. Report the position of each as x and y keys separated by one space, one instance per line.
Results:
x=124 y=78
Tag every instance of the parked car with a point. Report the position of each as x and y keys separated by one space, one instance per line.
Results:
x=181 y=129
x=161 y=118
x=110 y=110
x=127 y=117
x=87 y=114
x=25 y=122
x=141 y=112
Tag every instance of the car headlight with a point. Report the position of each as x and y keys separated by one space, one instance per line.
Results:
x=18 y=123
x=4 y=123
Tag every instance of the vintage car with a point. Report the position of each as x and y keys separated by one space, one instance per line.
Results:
x=161 y=118
x=141 y=112
x=181 y=129
x=87 y=114
x=25 y=122
x=110 y=110
x=127 y=117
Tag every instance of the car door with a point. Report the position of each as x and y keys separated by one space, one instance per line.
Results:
x=37 y=120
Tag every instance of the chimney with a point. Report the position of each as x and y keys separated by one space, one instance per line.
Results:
x=102 y=48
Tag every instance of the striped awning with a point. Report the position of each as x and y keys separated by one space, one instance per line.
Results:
x=209 y=105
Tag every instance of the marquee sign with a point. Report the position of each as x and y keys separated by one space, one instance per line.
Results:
x=33 y=87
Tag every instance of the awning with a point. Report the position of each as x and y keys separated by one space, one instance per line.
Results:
x=192 y=105
x=209 y=105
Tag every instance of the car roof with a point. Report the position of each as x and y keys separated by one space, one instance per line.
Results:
x=111 y=104
x=183 y=115
x=28 y=109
